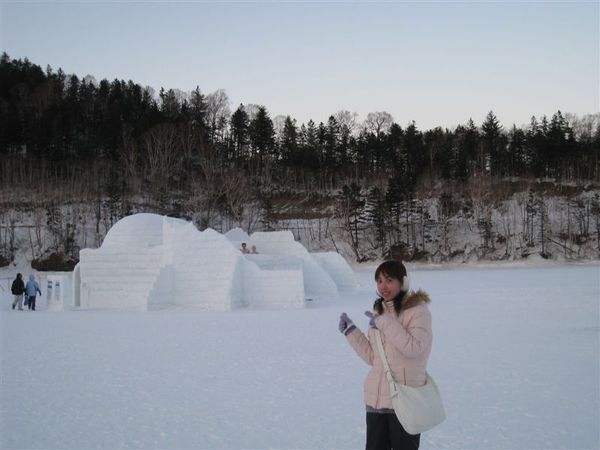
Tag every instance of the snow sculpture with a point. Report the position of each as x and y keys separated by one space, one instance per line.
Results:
x=316 y=280
x=149 y=261
x=334 y=273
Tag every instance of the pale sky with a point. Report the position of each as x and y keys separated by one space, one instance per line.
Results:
x=435 y=62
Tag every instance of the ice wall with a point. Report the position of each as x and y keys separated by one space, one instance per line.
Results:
x=271 y=281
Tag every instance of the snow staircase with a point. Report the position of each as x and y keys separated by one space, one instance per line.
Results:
x=120 y=277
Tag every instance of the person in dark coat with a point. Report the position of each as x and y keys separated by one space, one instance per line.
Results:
x=31 y=289
x=17 y=289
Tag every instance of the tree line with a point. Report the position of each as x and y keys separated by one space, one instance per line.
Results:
x=64 y=119
x=116 y=139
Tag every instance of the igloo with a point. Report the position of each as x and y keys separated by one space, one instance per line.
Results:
x=148 y=261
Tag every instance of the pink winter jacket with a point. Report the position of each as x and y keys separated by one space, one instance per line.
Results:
x=407 y=343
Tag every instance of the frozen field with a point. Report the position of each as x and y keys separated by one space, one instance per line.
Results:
x=516 y=355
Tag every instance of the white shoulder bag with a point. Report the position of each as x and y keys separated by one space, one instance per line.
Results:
x=418 y=408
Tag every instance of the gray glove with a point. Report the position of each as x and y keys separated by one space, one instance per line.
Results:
x=373 y=317
x=346 y=325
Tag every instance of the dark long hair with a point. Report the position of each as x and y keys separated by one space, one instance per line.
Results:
x=396 y=270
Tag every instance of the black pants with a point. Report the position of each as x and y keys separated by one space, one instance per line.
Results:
x=32 y=302
x=384 y=432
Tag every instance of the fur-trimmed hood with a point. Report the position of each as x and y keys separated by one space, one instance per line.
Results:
x=414 y=298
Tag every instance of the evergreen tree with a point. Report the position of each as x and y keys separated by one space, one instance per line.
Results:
x=344 y=143
x=414 y=152
x=516 y=152
x=240 y=126
x=465 y=150
x=394 y=149
x=378 y=215
x=289 y=143
x=309 y=144
x=441 y=159
x=561 y=145
x=332 y=137
x=169 y=104
x=262 y=137
x=349 y=208
x=493 y=145
x=198 y=110
x=534 y=142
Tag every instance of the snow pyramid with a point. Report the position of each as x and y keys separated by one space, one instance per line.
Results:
x=148 y=261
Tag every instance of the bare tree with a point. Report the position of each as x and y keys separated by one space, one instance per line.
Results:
x=207 y=190
x=347 y=120
x=252 y=110
x=161 y=144
x=36 y=242
x=278 y=125
x=129 y=153
x=189 y=141
x=217 y=113
x=240 y=201
x=583 y=127
x=379 y=122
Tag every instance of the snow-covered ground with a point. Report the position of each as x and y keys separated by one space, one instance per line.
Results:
x=516 y=355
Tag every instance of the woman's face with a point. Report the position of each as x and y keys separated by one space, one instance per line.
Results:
x=388 y=287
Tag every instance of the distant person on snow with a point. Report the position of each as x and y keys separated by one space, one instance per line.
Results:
x=31 y=289
x=404 y=322
x=253 y=251
x=17 y=289
x=244 y=249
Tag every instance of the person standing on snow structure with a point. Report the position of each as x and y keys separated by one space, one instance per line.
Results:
x=404 y=322
x=17 y=289
x=32 y=288
x=244 y=248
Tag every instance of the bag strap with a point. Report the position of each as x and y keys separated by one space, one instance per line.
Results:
x=386 y=366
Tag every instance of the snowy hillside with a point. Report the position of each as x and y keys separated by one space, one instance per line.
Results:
x=516 y=355
x=438 y=228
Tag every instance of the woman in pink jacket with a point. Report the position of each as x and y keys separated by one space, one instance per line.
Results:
x=404 y=322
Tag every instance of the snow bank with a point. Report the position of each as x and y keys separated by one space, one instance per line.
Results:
x=515 y=354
